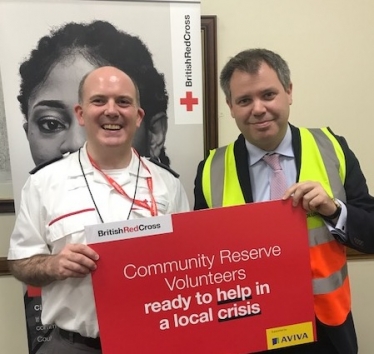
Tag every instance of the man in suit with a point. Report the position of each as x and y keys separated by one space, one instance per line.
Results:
x=319 y=171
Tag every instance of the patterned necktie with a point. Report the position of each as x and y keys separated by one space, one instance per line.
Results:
x=278 y=183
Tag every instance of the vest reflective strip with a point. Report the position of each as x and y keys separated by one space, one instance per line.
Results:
x=330 y=283
x=332 y=157
x=221 y=185
x=320 y=235
x=322 y=147
x=217 y=177
x=328 y=152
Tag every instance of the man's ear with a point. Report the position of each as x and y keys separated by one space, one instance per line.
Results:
x=289 y=93
x=141 y=115
x=158 y=127
x=228 y=102
x=79 y=114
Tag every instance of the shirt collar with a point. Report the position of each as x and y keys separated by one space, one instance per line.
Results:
x=284 y=148
x=88 y=168
x=74 y=168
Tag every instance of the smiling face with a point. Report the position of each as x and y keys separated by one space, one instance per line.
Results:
x=260 y=106
x=109 y=111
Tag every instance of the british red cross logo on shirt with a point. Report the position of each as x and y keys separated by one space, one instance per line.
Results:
x=189 y=101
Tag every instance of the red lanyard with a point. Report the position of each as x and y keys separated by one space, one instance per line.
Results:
x=119 y=189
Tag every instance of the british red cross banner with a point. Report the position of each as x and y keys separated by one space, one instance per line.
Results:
x=225 y=280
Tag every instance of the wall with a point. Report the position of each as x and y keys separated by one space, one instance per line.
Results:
x=361 y=276
x=12 y=319
x=328 y=47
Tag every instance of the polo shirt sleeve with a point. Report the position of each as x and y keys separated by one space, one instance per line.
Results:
x=28 y=237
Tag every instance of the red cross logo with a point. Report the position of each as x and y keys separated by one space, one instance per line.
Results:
x=189 y=101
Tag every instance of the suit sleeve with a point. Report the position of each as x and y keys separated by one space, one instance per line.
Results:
x=200 y=202
x=360 y=204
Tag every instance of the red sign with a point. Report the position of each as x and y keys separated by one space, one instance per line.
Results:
x=189 y=101
x=225 y=280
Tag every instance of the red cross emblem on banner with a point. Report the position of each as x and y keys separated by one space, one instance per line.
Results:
x=189 y=101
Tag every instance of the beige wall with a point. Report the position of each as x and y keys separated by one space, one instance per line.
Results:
x=361 y=276
x=328 y=45
x=6 y=226
x=12 y=318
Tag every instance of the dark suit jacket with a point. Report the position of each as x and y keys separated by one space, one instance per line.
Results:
x=360 y=216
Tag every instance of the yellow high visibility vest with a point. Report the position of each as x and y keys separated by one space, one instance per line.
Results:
x=323 y=160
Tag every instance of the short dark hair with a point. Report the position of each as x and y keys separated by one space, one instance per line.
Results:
x=250 y=61
x=101 y=44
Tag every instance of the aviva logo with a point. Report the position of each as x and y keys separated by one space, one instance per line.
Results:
x=286 y=336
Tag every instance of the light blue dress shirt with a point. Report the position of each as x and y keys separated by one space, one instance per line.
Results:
x=261 y=186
